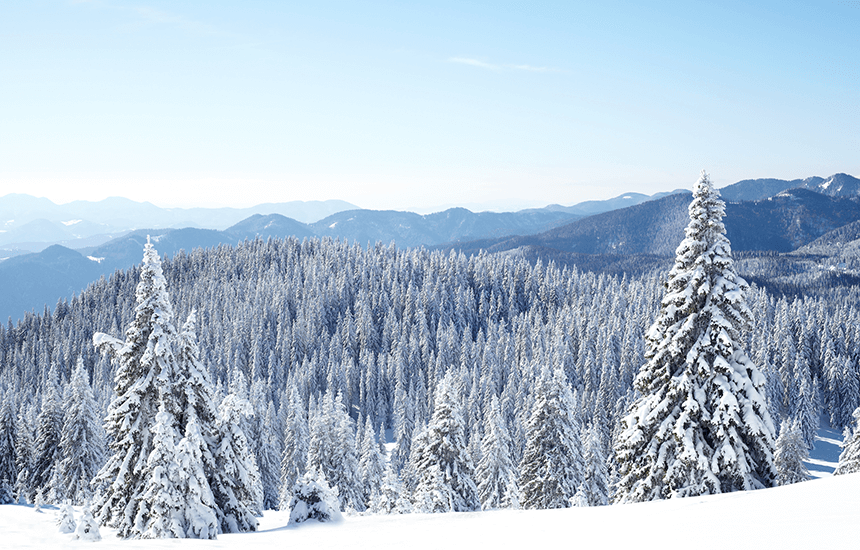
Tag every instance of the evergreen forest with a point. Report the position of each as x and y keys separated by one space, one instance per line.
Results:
x=407 y=379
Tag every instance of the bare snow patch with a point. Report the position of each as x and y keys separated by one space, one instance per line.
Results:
x=824 y=457
x=94 y=259
x=815 y=514
x=71 y=222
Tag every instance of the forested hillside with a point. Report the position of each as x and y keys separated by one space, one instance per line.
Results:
x=334 y=342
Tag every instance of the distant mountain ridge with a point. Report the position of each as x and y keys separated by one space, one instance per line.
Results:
x=837 y=185
x=589 y=208
x=645 y=232
x=781 y=223
x=30 y=224
x=71 y=271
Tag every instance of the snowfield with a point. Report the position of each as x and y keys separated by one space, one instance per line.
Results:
x=814 y=514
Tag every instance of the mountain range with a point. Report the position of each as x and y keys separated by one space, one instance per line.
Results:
x=602 y=235
x=781 y=223
x=31 y=224
x=837 y=185
x=57 y=271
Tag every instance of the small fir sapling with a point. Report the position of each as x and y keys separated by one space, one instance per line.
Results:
x=849 y=458
x=314 y=499
x=6 y=496
x=66 y=519
x=88 y=529
x=791 y=452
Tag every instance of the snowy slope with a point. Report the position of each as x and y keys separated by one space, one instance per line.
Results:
x=825 y=456
x=814 y=514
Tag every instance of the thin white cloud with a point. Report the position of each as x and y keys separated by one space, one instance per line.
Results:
x=494 y=67
x=150 y=15
x=474 y=63
x=533 y=69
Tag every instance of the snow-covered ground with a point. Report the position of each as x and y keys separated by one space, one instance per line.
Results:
x=824 y=457
x=814 y=514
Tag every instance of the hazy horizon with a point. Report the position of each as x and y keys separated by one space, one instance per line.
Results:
x=414 y=107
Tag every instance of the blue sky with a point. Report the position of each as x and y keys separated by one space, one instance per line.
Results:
x=420 y=105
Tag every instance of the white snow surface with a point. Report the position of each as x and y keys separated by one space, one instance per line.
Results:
x=813 y=514
x=824 y=457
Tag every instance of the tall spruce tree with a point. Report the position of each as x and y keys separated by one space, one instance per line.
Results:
x=47 y=445
x=82 y=442
x=442 y=463
x=24 y=454
x=496 y=472
x=552 y=465
x=270 y=458
x=8 y=463
x=295 y=455
x=595 y=484
x=159 y=511
x=791 y=452
x=146 y=355
x=236 y=485
x=371 y=462
x=701 y=424
x=849 y=458
x=332 y=452
x=196 y=502
x=197 y=422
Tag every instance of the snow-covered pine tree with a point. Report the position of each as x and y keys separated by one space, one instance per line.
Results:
x=443 y=465
x=791 y=452
x=66 y=519
x=24 y=453
x=88 y=529
x=147 y=350
x=390 y=498
x=701 y=424
x=196 y=503
x=236 y=483
x=159 y=511
x=270 y=459
x=295 y=453
x=807 y=407
x=496 y=472
x=595 y=484
x=180 y=502
x=580 y=498
x=552 y=465
x=404 y=421
x=47 y=444
x=6 y=495
x=8 y=463
x=332 y=452
x=348 y=479
x=196 y=398
x=434 y=495
x=312 y=498
x=82 y=443
x=849 y=458
x=371 y=462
